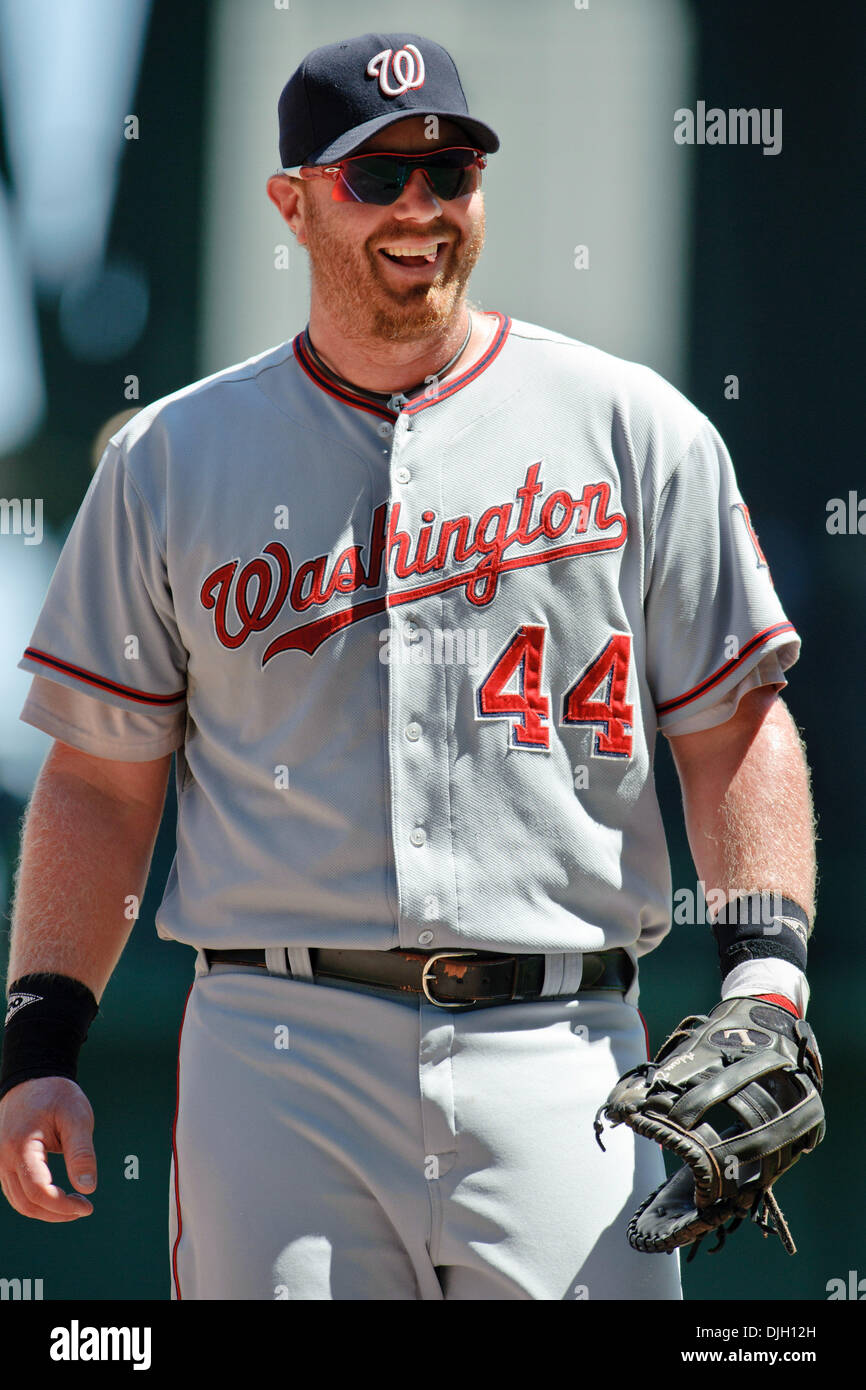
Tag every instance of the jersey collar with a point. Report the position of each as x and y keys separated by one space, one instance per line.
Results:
x=419 y=401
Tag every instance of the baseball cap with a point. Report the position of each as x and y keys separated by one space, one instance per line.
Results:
x=343 y=93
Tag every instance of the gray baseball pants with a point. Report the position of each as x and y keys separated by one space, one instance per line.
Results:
x=338 y=1144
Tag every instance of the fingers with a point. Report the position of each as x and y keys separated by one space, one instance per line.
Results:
x=75 y=1131
x=14 y=1194
x=40 y=1189
x=38 y=1117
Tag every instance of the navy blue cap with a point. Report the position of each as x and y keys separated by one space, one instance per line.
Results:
x=343 y=93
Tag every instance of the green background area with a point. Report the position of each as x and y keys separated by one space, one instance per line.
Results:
x=777 y=285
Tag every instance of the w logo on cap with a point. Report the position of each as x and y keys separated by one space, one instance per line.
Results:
x=406 y=66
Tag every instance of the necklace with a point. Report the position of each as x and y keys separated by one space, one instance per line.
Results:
x=385 y=397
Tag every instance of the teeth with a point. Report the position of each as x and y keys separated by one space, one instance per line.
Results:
x=428 y=252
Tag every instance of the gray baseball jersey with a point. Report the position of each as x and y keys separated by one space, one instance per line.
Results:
x=413 y=668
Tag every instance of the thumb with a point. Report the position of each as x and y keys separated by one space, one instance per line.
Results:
x=75 y=1132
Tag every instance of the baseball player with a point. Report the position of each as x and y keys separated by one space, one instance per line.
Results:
x=409 y=598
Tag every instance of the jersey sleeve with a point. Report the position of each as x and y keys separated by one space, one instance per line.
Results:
x=715 y=625
x=106 y=651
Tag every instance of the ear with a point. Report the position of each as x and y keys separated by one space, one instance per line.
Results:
x=285 y=193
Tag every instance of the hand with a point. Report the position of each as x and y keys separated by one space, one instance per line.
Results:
x=47 y=1115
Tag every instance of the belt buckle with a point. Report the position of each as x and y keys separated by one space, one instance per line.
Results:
x=425 y=981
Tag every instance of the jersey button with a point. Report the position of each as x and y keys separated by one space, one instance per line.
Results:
x=402 y=474
x=425 y=938
x=413 y=732
x=418 y=836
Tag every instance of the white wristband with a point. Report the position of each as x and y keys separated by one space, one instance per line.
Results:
x=768 y=976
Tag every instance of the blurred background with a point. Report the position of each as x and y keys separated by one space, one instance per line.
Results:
x=138 y=251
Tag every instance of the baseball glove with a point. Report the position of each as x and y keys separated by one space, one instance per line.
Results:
x=737 y=1094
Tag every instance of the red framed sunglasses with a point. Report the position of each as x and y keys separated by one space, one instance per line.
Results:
x=452 y=172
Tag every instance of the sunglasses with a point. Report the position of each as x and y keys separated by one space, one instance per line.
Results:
x=452 y=172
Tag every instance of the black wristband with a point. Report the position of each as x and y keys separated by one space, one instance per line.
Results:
x=46 y=1025
x=761 y=926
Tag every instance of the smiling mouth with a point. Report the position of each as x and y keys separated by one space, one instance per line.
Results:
x=414 y=257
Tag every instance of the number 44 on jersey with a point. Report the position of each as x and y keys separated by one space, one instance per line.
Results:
x=597 y=698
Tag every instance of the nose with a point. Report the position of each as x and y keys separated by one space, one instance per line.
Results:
x=417 y=201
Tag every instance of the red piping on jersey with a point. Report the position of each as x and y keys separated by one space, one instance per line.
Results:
x=418 y=402
x=90 y=677
x=174 y=1150
x=331 y=388
x=421 y=402
x=752 y=645
x=646 y=1034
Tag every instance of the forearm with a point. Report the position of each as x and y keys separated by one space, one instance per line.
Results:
x=748 y=807
x=84 y=855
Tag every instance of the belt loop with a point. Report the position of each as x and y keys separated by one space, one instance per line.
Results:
x=572 y=972
x=275 y=959
x=552 y=974
x=562 y=973
x=299 y=962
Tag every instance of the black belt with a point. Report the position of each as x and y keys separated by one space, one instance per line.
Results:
x=451 y=979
